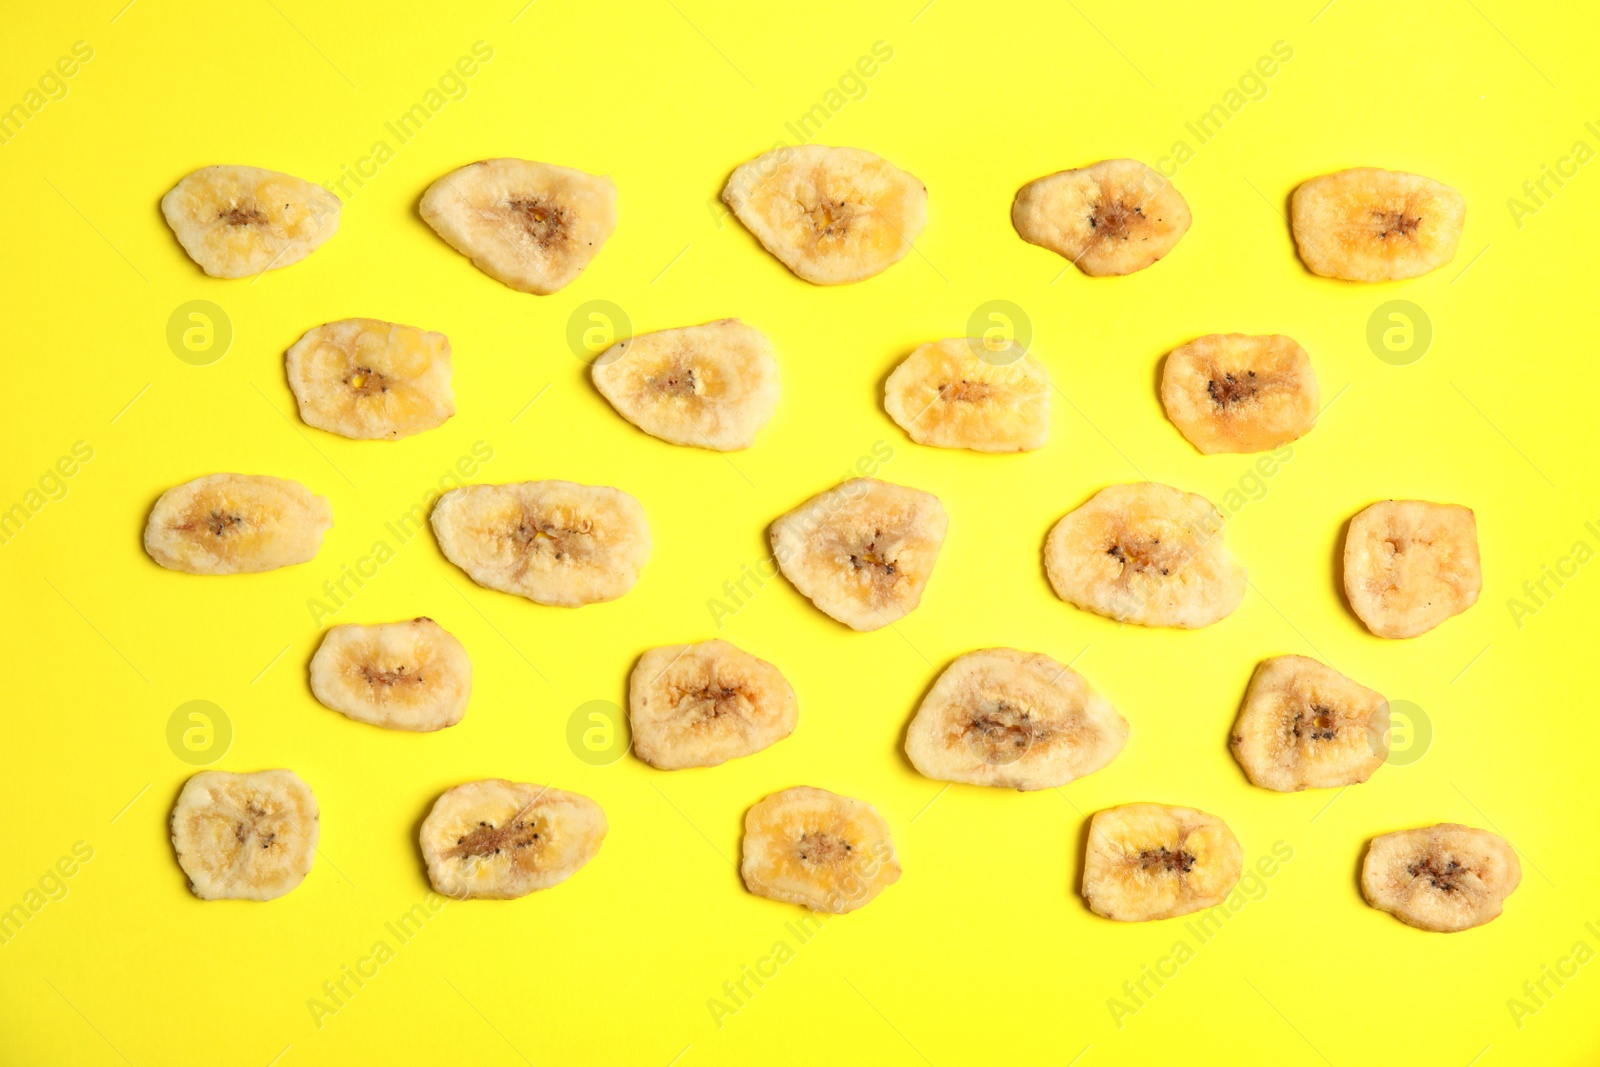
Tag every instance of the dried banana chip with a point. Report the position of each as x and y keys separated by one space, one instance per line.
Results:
x=497 y=840
x=1113 y=217
x=1442 y=878
x=1410 y=564
x=1239 y=393
x=818 y=849
x=245 y=836
x=402 y=675
x=240 y=221
x=236 y=524
x=1305 y=725
x=1154 y=861
x=1371 y=225
x=371 y=380
x=949 y=395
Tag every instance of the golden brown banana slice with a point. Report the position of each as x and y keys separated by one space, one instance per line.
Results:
x=245 y=836
x=236 y=524
x=818 y=849
x=701 y=705
x=1233 y=392
x=1153 y=861
x=831 y=215
x=1372 y=225
x=402 y=675
x=554 y=542
x=532 y=226
x=371 y=380
x=497 y=840
x=1443 y=878
x=1305 y=725
x=1145 y=553
x=711 y=386
x=1410 y=564
x=240 y=221
x=956 y=393
x=863 y=551
x=1014 y=719
x=1113 y=217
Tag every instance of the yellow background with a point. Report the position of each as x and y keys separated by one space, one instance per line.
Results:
x=984 y=952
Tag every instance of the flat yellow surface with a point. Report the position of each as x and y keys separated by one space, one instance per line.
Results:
x=984 y=951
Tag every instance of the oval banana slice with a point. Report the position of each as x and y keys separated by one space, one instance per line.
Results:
x=1233 y=392
x=1372 y=225
x=1154 y=861
x=948 y=395
x=371 y=380
x=701 y=705
x=245 y=836
x=711 y=386
x=236 y=524
x=240 y=221
x=1442 y=878
x=818 y=849
x=1113 y=217
x=497 y=840
x=1410 y=564
x=831 y=215
x=401 y=675
x=532 y=226
x=554 y=542
x=1145 y=553
x=1305 y=725
x=863 y=551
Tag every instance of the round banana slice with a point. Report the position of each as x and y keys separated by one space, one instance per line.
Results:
x=818 y=849
x=530 y=225
x=1410 y=564
x=1152 y=861
x=862 y=551
x=498 y=840
x=1305 y=725
x=712 y=386
x=1233 y=392
x=1113 y=217
x=240 y=221
x=701 y=705
x=831 y=215
x=245 y=836
x=372 y=380
x=400 y=675
x=236 y=524
x=948 y=395
x=1014 y=719
x=1442 y=878
x=554 y=542
x=1371 y=225
x=1145 y=553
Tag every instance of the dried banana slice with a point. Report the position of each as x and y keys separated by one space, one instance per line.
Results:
x=1372 y=225
x=402 y=675
x=948 y=395
x=1410 y=564
x=1442 y=878
x=1113 y=217
x=712 y=386
x=818 y=849
x=1014 y=719
x=862 y=551
x=240 y=221
x=701 y=705
x=245 y=836
x=831 y=215
x=497 y=840
x=1152 y=861
x=530 y=225
x=1305 y=725
x=1145 y=553
x=236 y=524
x=371 y=380
x=1233 y=392
x=554 y=542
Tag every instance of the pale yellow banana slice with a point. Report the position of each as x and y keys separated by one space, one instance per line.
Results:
x=236 y=524
x=1234 y=392
x=1304 y=725
x=831 y=215
x=532 y=226
x=401 y=675
x=1442 y=878
x=1371 y=225
x=1410 y=564
x=245 y=836
x=1113 y=217
x=371 y=380
x=497 y=840
x=711 y=386
x=240 y=221
x=1153 y=861
x=554 y=542
x=817 y=849
x=956 y=393
x=862 y=551
x=701 y=705
x=1014 y=719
